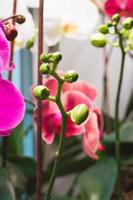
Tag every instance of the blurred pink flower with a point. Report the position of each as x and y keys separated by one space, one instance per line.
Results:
x=12 y=106
x=123 y=7
x=93 y=134
x=72 y=95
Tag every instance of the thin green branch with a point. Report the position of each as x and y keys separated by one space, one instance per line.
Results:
x=117 y=124
x=58 y=153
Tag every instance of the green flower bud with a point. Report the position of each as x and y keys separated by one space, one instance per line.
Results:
x=125 y=33
x=71 y=76
x=45 y=57
x=103 y=29
x=116 y=17
x=51 y=57
x=127 y=23
x=98 y=40
x=44 y=68
x=130 y=41
x=41 y=92
x=79 y=114
x=109 y=24
x=30 y=43
x=55 y=57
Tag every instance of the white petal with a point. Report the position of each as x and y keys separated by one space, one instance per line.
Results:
x=55 y=8
x=82 y=14
x=32 y=3
x=52 y=31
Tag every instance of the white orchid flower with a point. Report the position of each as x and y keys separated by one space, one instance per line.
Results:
x=70 y=18
x=26 y=31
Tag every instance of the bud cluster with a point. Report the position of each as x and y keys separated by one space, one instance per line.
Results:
x=79 y=113
x=121 y=27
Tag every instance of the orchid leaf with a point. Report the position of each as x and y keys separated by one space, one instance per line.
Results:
x=98 y=181
x=6 y=188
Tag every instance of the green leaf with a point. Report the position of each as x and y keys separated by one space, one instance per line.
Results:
x=64 y=169
x=16 y=176
x=126 y=134
x=60 y=198
x=26 y=164
x=98 y=181
x=6 y=188
x=15 y=141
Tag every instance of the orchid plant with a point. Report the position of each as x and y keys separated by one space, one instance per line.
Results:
x=123 y=30
x=66 y=109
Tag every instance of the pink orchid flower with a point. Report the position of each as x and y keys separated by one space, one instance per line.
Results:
x=123 y=7
x=12 y=106
x=91 y=138
x=72 y=95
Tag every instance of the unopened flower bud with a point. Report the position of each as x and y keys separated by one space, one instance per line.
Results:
x=45 y=57
x=127 y=23
x=130 y=41
x=71 y=76
x=51 y=57
x=79 y=114
x=20 y=19
x=11 y=33
x=30 y=43
x=44 y=68
x=41 y=92
x=9 y=30
x=116 y=17
x=109 y=24
x=103 y=29
x=55 y=57
x=98 y=40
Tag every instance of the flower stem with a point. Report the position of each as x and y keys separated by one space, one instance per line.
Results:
x=105 y=100
x=39 y=106
x=57 y=159
x=13 y=17
x=117 y=124
x=12 y=43
x=58 y=153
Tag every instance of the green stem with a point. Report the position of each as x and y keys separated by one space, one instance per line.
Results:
x=117 y=124
x=58 y=153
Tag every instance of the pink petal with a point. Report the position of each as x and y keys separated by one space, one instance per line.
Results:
x=51 y=83
x=84 y=87
x=4 y=51
x=73 y=129
x=129 y=8
x=12 y=106
x=5 y=133
x=91 y=138
x=111 y=7
x=99 y=119
x=123 y=7
x=73 y=98
x=50 y=127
